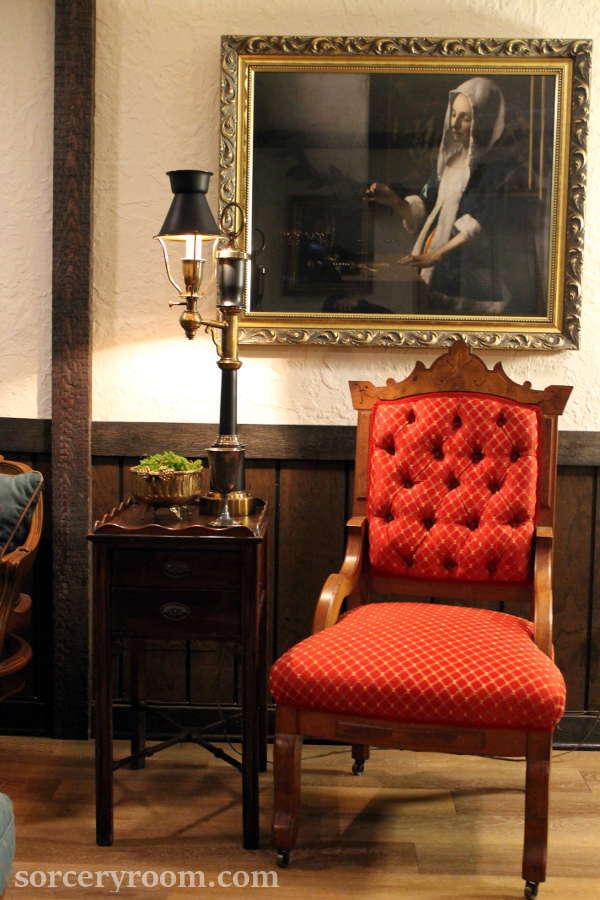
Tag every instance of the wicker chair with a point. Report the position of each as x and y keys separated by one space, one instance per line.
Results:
x=15 y=652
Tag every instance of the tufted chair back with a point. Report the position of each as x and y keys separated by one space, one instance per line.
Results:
x=452 y=487
x=456 y=474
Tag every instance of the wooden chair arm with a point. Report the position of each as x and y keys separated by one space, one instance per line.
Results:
x=19 y=616
x=542 y=588
x=341 y=584
x=22 y=605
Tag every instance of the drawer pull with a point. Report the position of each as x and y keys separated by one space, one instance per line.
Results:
x=175 y=612
x=176 y=569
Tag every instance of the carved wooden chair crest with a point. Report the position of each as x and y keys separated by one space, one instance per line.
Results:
x=454 y=498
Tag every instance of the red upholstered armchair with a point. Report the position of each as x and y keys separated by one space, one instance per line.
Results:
x=454 y=498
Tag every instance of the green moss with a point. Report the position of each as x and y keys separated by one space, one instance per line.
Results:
x=169 y=460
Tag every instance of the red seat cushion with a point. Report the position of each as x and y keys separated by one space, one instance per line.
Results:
x=425 y=663
x=452 y=487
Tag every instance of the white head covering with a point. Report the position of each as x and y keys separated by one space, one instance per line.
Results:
x=488 y=106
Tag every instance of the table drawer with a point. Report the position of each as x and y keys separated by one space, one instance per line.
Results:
x=177 y=614
x=202 y=569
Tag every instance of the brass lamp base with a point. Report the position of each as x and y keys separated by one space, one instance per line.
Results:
x=240 y=503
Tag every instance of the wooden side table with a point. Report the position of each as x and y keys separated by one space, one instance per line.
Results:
x=158 y=577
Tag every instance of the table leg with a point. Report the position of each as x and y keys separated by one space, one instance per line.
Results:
x=137 y=649
x=250 y=729
x=103 y=700
x=261 y=687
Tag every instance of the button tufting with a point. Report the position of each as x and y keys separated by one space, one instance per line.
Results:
x=387 y=444
x=408 y=561
x=515 y=454
x=435 y=514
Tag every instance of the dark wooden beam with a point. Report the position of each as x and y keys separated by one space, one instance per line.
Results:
x=319 y=442
x=333 y=442
x=579 y=448
x=71 y=358
x=25 y=435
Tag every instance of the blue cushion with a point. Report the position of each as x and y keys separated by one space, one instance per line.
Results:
x=7 y=839
x=15 y=493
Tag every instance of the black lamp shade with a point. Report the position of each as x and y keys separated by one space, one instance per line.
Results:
x=189 y=212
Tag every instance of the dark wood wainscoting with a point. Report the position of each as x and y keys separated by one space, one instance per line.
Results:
x=306 y=473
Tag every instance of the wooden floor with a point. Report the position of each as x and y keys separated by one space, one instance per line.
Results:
x=413 y=826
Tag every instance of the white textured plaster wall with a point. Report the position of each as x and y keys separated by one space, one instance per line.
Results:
x=158 y=108
x=26 y=75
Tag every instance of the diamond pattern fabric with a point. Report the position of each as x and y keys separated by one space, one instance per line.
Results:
x=452 y=487
x=424 y=663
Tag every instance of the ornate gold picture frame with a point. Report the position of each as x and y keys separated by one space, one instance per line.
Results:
x=404 y=191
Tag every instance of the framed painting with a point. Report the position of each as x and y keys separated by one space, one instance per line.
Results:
x=402 y=191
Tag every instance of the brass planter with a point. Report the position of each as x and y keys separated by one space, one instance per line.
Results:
x=166 y=487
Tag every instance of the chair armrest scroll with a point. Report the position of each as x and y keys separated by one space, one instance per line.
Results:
x=542 y=588
x=341 y=584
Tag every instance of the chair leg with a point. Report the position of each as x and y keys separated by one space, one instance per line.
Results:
x=537 y=782
x=360 y=753
x=287 y=758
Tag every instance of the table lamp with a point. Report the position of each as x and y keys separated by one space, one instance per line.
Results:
x=190 y=227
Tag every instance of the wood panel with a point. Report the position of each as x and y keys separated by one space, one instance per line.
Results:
x=212 y=673
x=572 y=572
x=311 y=542
x=106 y=485
x=578 y=448
x=35 y=435
x=593 y=649
x=272 y=442
x=166 y=671
x=310 y=504
x=262 y=441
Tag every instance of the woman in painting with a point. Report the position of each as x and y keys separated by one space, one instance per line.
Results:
x=458 y=216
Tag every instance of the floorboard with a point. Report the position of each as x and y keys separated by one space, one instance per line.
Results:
x=413 y=826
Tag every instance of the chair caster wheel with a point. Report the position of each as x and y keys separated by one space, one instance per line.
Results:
x=283 y=858
x=531 y=889
x=359 y=767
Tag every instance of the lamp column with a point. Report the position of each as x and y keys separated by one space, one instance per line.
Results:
x=226 y=455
